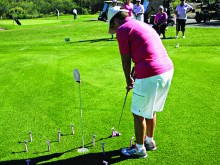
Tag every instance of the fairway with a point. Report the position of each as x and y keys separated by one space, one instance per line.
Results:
x=38 y=94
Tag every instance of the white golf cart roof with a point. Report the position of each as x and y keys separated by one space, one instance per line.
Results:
x=111 y=2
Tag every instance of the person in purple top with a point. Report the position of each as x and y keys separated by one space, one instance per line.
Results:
x=160 y=21
x=140 y=43
x=129 y=6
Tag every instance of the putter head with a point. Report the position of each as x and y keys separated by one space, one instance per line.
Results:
x=76 y=75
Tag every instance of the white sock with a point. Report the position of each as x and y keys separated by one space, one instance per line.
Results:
x=148 y=139
x=139 y=146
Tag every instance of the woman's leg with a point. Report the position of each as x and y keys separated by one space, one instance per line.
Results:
x=140 y=128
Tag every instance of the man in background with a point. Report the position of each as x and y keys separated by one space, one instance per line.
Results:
x=181 y=16
x=74 y=13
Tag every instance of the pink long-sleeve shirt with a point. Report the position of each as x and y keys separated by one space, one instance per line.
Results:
x=141 y=42
x=129 y=8
x=159 y=18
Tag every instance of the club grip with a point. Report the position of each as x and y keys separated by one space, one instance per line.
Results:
x=133 y=73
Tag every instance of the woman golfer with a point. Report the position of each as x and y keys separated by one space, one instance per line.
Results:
x=138 y=42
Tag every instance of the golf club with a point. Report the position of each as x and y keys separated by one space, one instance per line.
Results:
x=77 y=79
x=122 y=109
x=133 y=76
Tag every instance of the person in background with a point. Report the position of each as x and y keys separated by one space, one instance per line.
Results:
x=140 y=43
x=181 y=16
x=160 y=21
x=57 y=13
x=74 y=13
x=128 y=5
x=138 y=10
x=112 y=8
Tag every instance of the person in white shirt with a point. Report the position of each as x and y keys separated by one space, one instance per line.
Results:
x=138 y=11
x=110 y=10
x=57 y=12
x=181 y=16
x=75 y=13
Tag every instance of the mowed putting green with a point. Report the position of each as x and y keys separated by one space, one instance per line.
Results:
x=38 y=94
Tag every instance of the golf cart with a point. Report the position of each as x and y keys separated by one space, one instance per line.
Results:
x=208 y=11
x=104 y=14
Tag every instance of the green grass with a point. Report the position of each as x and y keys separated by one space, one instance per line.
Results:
x=38 y=94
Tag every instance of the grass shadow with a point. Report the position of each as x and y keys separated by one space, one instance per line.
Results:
x=33 y=161
x=168 y=38
x=68 y=134
x=91 y=158
x=91 y=20
x=88 y=145
x=94 y=40
x=18 y=152
x=111 y=157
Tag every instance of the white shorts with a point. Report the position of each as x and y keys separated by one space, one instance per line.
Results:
x=150 y=94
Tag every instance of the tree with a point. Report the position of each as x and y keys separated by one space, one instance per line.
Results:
x=36 y=8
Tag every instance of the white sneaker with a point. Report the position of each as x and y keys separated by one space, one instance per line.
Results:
x=150 y=146
x=134 y=153
x=176 y=36
x=183 y=37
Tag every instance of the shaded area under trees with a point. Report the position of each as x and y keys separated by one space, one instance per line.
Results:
x=38 y=8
